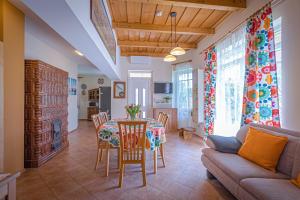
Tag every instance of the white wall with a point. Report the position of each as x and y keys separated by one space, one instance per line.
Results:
x=71 y=20
x=92 y=83
x=162 y=72
x=1 y=109
x=39 y=45
x=289 y=11
x=81 y=9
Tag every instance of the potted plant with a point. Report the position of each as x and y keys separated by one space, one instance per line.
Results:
x=133 y=110
x=167 y=99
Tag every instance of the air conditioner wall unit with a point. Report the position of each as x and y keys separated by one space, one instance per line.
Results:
x=140 y=60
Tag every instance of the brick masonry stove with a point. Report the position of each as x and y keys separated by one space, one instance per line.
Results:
x=46 y=112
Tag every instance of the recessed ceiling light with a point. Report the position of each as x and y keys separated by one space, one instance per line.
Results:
x=158 y=13
x=79 y=53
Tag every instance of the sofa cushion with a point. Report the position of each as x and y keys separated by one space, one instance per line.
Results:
x=222 y=177
x=296 y=167
x=263 y=148
x=271 y=189
x=296 y=181
x=223 y=144
x=289 y=154
x=242 y=132
x=239 y=168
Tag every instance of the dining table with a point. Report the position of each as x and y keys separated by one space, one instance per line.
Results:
x=155 y=134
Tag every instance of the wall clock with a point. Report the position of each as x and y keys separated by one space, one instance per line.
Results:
x=83 y=86
x=100 y=81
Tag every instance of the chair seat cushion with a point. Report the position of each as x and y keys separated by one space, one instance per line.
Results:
x=239 y=168
x=271 y=189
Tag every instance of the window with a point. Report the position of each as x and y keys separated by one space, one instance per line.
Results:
x=277 y=36
x=183 y=84
x=230 y=83
x=136 y=96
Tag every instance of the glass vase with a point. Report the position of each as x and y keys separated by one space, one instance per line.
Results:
x=132 y=117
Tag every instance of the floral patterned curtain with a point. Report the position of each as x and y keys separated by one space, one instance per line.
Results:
x=260 y=100
x=210 y=73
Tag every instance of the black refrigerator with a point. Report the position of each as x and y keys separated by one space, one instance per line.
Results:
x=105 y=100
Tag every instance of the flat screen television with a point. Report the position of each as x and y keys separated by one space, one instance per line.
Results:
x=163 y=88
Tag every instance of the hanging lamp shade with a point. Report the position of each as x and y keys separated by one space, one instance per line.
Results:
x=177 y=51
x=169 y=58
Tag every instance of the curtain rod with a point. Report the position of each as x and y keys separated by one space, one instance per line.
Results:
x=187 y=61
x=274 y=3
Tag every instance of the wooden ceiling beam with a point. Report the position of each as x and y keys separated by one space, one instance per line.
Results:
x=226 y=5
x=146 y=44
x=162 y=28
x=138 y=53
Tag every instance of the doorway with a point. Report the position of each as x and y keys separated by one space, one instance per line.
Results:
x=140 y=90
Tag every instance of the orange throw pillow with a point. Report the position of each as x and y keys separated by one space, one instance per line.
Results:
x=263 y=148
x=296 y=181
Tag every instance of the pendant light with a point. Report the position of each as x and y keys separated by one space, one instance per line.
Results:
x=170 y=57
x=177 y=51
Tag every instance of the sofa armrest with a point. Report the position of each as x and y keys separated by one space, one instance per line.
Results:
x=223 y=144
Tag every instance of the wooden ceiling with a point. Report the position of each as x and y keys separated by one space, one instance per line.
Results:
x=141 y=33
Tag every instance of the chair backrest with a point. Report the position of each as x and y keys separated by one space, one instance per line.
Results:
x=102 y=117
x=164 y=119
x=132 y=140
x=96 y=122
x=160 y=114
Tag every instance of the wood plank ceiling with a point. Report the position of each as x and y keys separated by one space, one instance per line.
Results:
x=140 y=32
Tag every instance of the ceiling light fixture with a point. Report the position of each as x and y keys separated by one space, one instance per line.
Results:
x=177 y=51
x=78 y=53
x=169 y=58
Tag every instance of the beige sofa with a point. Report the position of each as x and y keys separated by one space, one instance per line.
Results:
x=248 y=181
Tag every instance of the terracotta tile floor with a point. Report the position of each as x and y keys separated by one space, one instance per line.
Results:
x=71 y=174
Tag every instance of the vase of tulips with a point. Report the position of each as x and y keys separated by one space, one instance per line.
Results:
x=133 y=110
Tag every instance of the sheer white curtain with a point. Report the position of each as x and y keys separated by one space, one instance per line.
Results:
x=182 y=95
x=230 y=83
x=278 y=46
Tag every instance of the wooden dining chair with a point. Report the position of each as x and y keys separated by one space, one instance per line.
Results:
x=100 y=143
x=103 y=117
x=98 y=122
x=160 y=114
x=132 y=142
x=164 y=121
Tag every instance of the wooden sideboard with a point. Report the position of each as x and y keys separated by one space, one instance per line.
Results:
x=92 y=110
x=172 y=113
